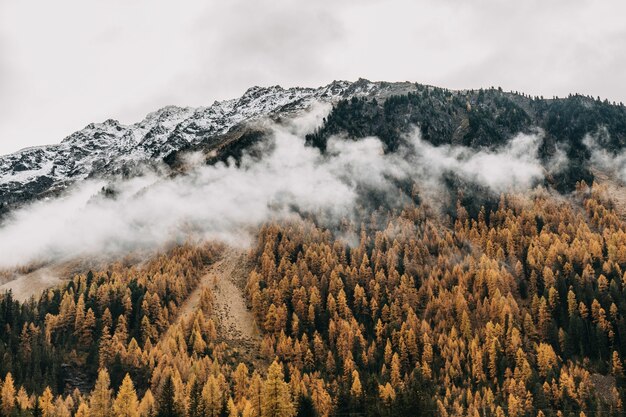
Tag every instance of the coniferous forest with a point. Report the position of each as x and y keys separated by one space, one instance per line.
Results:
x=517 y=311
x=498 y=304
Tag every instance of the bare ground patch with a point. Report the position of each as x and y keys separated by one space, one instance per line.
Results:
x=236 y=329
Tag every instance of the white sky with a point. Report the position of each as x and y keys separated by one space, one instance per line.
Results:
x=66 y=63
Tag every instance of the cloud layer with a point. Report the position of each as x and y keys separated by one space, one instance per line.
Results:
x=610 y=163
x=226 y=201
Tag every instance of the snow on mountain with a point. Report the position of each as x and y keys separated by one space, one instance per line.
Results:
x=104 y=148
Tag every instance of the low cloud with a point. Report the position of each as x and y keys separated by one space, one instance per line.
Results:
x=227 y=201
x=515 y=166
x=611 y=163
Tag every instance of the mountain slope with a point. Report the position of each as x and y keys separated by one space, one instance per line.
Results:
x=510 y=301
x=106 y=148
x=476 y=118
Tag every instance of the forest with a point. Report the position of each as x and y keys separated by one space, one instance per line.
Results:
x=519 y=310
x=492 y=305
x=484 y=118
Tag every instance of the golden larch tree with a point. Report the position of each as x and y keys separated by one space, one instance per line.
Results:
x=277 y=400
x=7 y=395
x=126 y=403
x=100 y=401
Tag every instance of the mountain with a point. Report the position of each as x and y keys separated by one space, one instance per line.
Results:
x=416 y=251
x=106 y=148
x=474 y=118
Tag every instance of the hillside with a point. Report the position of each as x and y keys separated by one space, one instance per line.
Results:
x=404 y=251
x=475 y=118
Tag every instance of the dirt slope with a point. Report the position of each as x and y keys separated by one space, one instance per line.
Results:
x=33 y=283
x=235 y=321
x=236 y=327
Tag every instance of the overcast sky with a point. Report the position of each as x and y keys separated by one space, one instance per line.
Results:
x=66 y=63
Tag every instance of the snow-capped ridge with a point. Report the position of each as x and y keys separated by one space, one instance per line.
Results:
x=102 y=148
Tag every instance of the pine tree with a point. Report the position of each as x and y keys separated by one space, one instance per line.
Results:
x=100 y=400
x=7 y=396
x=126 y=403
x=37 y=412
x=167 y=406
x=277 y=400
x=306 y=407
x=196 y=408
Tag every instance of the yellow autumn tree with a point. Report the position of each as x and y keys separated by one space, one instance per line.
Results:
x=7 y=395
x=61 y=408
x=82 y=411
x=276 y=400
x=22 y=399
x=100 y=401
x=387 y=393
x=356 y=390
x=616 y=365
x=212 y=397
x=46 y=403
x=126 y=403
x=147 y=406
x=546 y=359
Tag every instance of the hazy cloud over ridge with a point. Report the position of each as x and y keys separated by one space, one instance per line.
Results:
x=611 y=163
x=225 y=201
